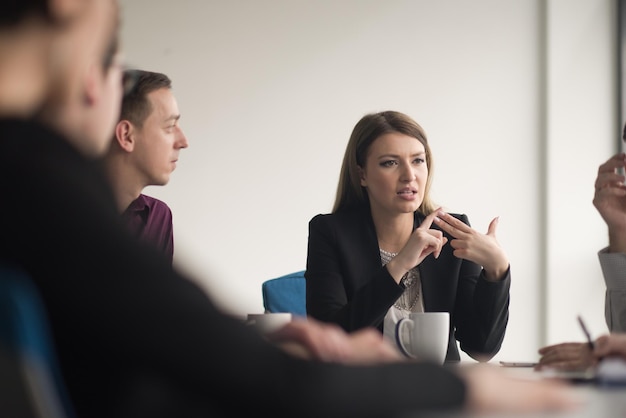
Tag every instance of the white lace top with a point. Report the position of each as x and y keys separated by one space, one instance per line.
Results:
x=410 y=300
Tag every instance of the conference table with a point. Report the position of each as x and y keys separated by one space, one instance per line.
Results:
x=597 y=400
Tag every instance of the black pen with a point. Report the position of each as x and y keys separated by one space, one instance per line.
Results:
x=589 y=340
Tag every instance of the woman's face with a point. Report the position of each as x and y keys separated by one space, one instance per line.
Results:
x=395 y=174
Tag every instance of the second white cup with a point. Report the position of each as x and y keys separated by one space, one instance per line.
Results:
x=269 y=321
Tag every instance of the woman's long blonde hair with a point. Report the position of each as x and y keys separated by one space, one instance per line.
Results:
x=350 y=193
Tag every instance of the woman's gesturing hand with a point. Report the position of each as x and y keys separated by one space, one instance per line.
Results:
x=469 y=244
x=423 y=242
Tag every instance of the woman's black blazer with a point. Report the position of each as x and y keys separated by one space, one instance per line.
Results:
x=346 y=284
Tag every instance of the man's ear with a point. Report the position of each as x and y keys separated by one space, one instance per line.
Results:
x=124 y=131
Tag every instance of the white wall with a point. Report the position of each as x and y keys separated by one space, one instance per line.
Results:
x=516 y=97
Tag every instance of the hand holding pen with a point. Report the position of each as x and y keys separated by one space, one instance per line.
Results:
x=569 y=355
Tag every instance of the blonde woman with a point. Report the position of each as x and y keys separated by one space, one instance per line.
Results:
x=386 y=250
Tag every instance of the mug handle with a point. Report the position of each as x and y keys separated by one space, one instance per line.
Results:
x=399 y=341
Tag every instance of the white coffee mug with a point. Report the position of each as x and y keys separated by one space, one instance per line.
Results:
x=269 y=321
x=424 y=335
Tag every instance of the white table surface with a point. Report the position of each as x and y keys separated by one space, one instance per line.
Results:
x=598 y=401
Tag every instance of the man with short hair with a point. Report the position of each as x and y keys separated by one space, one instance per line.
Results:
x=144 y=152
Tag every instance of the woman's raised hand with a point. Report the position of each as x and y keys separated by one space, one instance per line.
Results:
x=469 y=244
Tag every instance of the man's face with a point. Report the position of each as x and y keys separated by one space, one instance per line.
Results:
x=159 y=140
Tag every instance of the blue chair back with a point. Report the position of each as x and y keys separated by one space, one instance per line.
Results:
x=285 y=294
x=26 y=345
